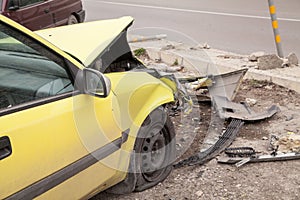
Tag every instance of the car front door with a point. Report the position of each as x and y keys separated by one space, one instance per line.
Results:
x=34 y=14
x=51 y=135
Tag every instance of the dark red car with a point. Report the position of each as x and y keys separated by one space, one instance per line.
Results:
x=40 y=14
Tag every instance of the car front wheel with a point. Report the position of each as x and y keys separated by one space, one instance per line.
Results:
x=153 y=155
x=155 y=149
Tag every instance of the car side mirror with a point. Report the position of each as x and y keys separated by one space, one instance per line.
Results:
x=96 y=83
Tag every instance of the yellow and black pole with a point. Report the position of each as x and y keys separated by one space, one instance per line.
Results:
x=275 y=28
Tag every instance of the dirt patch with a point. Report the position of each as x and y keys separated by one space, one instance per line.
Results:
x=272 y=180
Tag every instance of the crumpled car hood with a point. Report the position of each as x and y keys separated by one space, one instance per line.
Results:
x=86 y=41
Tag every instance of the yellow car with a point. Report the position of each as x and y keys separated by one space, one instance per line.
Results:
x=79 y=114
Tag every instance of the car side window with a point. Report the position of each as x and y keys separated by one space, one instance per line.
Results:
x=26 y=75
x=24 y=3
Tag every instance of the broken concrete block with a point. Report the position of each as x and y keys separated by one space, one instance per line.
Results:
x=200 y=46
x=289 y=143
x=168 y=47
x=153 y=54
x=205 y=46
x=254 y=56
x=269 y=62
x=286 y=62
x=251 y=102
x=199 y=193
x=166 y=68
x=292 y=58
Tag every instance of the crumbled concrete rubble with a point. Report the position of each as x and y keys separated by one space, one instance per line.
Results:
x=200 y=46
x=197 y=61
x=272 y=61
x=293 y=59
x=289 y=142
x=168 y=47
x=166 y=68
x=254 y=56
x=251 y=102
x=266 y=62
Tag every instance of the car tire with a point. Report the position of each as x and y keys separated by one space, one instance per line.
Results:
x=155 y=150
x=156 y=129
x=72 y=20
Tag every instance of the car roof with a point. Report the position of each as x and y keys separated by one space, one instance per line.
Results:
x=86 y=41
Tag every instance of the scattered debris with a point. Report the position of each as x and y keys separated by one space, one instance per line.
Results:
x=146 y=38
x=228 y=56
x=251 y=102
x=199 y=193
x=226 y=84
x=200 y=83
x=269 y=62
x=222 y=90
x=254 y=56
x=224 y=141
x=228 y=109
x=272 y=147
x=283 y=148
x=240 y=152
x=287 y=143
x=242 y=162
x=168 y=47
x=289 y=118
x=269 y=87
x=205 y=46
x=285 y=63
x=262 y=158
x=200 y=46
x=166 y=68
x=293 y=59
x=264 y=138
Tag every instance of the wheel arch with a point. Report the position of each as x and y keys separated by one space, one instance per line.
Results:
x=130 y=179
x=159 y=95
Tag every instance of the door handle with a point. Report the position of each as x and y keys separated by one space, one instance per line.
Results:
x=47 y=10
x=5 y=147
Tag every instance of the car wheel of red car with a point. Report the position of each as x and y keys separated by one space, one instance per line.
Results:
x=155 y=149
x=72 y=20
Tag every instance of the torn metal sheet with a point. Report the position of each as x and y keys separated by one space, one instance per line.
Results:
x=228 y=109
x=226 y=85
x=262 y=158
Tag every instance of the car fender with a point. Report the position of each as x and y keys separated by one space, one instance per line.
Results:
x=132 y=106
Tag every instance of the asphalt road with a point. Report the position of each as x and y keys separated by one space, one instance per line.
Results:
x=233 y=25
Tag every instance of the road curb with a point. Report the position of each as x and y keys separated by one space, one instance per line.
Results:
x=274 y=76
